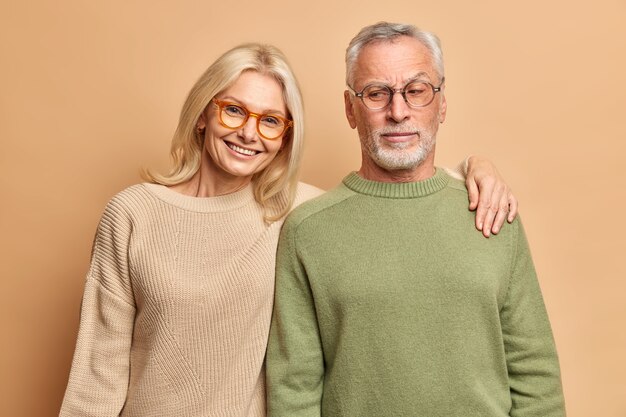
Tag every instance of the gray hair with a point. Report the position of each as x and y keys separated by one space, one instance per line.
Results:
x=385 y=31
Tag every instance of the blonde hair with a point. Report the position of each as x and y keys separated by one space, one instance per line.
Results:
x=275 y=186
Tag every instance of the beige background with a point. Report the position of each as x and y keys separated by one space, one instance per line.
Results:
x=90 y=91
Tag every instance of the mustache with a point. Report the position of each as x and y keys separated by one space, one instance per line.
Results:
x=402 y=128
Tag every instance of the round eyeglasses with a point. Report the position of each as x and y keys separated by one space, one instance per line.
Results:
x=416 y=94
x=233 y=116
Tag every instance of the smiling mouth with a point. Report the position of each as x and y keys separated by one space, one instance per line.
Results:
x=239 y=149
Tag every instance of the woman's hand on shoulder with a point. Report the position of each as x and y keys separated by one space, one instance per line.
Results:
x=489 y=195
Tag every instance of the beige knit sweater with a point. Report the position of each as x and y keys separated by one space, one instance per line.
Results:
x=176 y=309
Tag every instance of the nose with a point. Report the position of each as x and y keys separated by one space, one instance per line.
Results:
x=398 y=108
x=248 y=132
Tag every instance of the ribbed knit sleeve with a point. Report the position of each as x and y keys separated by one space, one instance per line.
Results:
x=100 y=369
x=295 y=363
x=532 y=363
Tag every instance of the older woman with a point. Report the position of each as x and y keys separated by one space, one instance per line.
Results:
x=178 y=297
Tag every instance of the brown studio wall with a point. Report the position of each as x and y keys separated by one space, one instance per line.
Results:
x=91 y=92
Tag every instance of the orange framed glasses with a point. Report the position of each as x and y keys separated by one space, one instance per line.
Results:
x=269 y=126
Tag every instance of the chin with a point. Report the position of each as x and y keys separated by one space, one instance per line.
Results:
x=238 y=171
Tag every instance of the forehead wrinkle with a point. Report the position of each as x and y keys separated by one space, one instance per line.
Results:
x=420 y=76
x=380 y=71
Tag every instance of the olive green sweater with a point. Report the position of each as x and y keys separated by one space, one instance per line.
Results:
x=389 y=303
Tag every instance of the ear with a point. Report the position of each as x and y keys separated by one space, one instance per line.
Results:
x=349 y=105
x=443 y=108
x=201 y=123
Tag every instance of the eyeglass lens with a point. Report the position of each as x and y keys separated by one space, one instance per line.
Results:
x=234 y=116
x=417 y=94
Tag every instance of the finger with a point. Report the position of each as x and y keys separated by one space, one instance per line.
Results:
x=472 y=190
x=482 y=212
x=513 y=207
x=485 y=201
x=503 y=210
x=490 y=215
x=491 y=208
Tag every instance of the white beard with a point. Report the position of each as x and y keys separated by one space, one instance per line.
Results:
x=394 y=156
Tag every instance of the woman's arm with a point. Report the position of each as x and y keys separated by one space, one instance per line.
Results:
x=99 y=377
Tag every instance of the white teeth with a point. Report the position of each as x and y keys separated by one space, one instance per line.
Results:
x=241 y=150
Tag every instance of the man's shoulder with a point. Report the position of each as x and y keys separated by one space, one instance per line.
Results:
x=318 y=204
x=456 y=184
x=457 y=199
x=306 y=192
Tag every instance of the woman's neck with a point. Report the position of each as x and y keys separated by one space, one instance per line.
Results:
x=208 y=182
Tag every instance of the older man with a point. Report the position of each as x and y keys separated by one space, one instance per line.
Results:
x=388 y=303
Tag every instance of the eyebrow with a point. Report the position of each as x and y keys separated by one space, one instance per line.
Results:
x=417 y=77
x=266 y=111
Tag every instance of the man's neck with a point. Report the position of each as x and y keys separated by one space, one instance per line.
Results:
x=370 y=171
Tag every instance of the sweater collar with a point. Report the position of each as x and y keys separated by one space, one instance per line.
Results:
x=397 y=189
x=221 y=203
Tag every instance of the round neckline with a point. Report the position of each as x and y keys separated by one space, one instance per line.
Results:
x=397 y=189
x=220 y=203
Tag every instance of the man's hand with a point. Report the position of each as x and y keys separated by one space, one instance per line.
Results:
x=489 y=195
